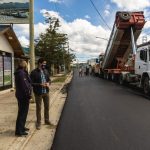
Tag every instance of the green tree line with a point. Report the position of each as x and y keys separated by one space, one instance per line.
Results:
x=54 y=46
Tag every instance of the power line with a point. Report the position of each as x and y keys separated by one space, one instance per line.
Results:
x=99 y=14
x=105 y=3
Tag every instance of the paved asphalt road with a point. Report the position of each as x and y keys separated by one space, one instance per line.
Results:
x=101 y=115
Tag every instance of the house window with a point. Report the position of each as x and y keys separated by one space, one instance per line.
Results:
x=143 y=55
x=5 y=70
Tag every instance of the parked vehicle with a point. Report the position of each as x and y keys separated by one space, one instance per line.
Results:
x=123 y=61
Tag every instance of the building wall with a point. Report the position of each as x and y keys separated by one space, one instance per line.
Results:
x=6 y=47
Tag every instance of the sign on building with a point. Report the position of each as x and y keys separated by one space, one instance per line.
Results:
x=14 y=11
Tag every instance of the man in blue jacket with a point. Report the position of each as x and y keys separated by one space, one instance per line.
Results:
x=41 y=82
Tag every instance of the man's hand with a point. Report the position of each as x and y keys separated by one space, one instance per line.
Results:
x=45 y=84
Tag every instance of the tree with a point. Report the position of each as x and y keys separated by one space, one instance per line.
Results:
x=53 y=46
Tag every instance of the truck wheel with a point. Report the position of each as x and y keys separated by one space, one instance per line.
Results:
x=107 y=76
x=121 y=81
x=146 y=86
x=125 y=16
x=112 y=77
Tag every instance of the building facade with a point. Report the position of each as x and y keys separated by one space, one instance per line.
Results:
x=10 y=52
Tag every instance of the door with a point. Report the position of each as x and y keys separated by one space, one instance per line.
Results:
x=5 y=70
x=141 y=62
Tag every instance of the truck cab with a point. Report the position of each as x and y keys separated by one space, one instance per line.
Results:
x=142 y=65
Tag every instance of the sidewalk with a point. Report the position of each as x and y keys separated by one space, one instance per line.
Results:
x=8 y=114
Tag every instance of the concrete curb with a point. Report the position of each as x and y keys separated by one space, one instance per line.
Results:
x=60 y=112
x=20 y=143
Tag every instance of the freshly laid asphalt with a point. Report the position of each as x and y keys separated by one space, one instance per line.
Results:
x=101 y=115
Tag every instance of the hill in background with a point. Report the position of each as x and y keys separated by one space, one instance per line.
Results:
x=14 y=5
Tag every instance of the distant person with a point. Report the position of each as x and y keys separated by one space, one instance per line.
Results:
x=23 y=95
x=93 y=70
x=80 y=72
x=90 y=70
x=41 y=83
x=87 y=71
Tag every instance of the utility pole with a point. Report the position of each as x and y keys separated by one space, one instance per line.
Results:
x=64 y=59
x=32 y=52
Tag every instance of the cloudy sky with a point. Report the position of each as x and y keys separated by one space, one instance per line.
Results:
x=83 y=24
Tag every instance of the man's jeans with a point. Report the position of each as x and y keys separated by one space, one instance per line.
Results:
x=38 y=99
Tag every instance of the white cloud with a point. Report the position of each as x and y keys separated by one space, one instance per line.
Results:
x=82 y=35
x=132 y=4
x=24 y=41
x=39 y=28
x=56 y=1
x=22 y=32
x=147 y=13
x=144 y=37
x=107 y=10
x=87 y=17
x=106 y=13
x=147 y=25
x=47 y=14
x=22 y=29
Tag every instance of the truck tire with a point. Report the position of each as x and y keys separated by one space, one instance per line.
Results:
x=146 y=86
x=121 y=81
x=125 y=16
x=107 y=76
x=112 y=77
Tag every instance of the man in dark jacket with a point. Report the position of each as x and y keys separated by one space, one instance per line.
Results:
x=23 y=95
x=41 y=82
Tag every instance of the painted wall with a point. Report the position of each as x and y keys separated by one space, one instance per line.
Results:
x=6 y=47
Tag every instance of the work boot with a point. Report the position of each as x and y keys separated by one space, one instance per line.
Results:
x=26 y=129
x=38 y=126
x=21 y=134
x=50 y=124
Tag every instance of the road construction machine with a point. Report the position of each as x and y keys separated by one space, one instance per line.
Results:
x=123 y=60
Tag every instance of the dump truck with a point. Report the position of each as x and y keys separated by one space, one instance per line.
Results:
x=123 y=60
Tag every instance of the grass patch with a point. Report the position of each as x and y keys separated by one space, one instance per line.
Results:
x=60 y=79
